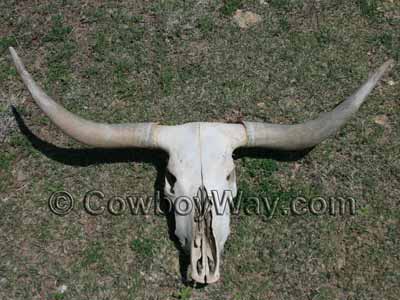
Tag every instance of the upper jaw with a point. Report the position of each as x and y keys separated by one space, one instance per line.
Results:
x=204 y=251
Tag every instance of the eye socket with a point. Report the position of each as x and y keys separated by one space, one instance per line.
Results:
x=231 y=175
x=171 y=180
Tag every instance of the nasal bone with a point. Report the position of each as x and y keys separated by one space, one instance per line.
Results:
x=204 y=252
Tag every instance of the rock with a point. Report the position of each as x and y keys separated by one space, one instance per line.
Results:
x=340 y=263
x=381 y=120
x=62 y=289
x=246 y=19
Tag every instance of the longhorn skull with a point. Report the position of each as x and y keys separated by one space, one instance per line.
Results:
x=200 y=158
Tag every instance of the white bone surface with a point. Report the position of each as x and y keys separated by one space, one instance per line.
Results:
x=200 y=155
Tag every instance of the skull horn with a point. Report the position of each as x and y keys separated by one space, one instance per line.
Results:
x=84 y=131
x=309 y=134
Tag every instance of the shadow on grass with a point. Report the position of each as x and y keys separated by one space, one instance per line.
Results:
x=94 y=156
x=255 y=152
x=91 y=156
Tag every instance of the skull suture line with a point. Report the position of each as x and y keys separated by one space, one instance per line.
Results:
x=200 y=157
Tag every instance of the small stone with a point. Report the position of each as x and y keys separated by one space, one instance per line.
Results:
x=381 y=120
x=3 y=281
x=391 y=82
x=246 y=19
x=261 y=104
x=62 y=289
x=340 y=263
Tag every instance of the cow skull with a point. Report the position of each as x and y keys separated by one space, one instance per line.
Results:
x=200 y=159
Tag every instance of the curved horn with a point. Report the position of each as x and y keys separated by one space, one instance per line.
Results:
x=309 y=134
x=87 y=132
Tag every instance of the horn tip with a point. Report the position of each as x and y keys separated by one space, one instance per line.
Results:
x=14 y=54
x=385 y=67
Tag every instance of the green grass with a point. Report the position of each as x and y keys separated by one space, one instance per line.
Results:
x=143 y=247
x=6 y=160
x=58 y=296
x=93 y=254
x=230 y=6
x=206 y=24
x=59 y=32
x=369 y=8
x=180 y=61
x=281 y=5
x=184 y=293
x=6 y=42
x=167 y=80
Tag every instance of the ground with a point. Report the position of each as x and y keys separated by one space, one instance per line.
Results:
x=178 y=61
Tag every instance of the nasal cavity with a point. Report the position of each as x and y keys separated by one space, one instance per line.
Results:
x=204 y=250
x=202 y=204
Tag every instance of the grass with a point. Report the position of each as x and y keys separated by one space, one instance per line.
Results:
x=7 y=41
x=206 y=24
x=59 y=31
x=184 y=293
x=230 y=6
x=179 y=61
x=369 y=8
x=92 y=254
x=143 y=247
